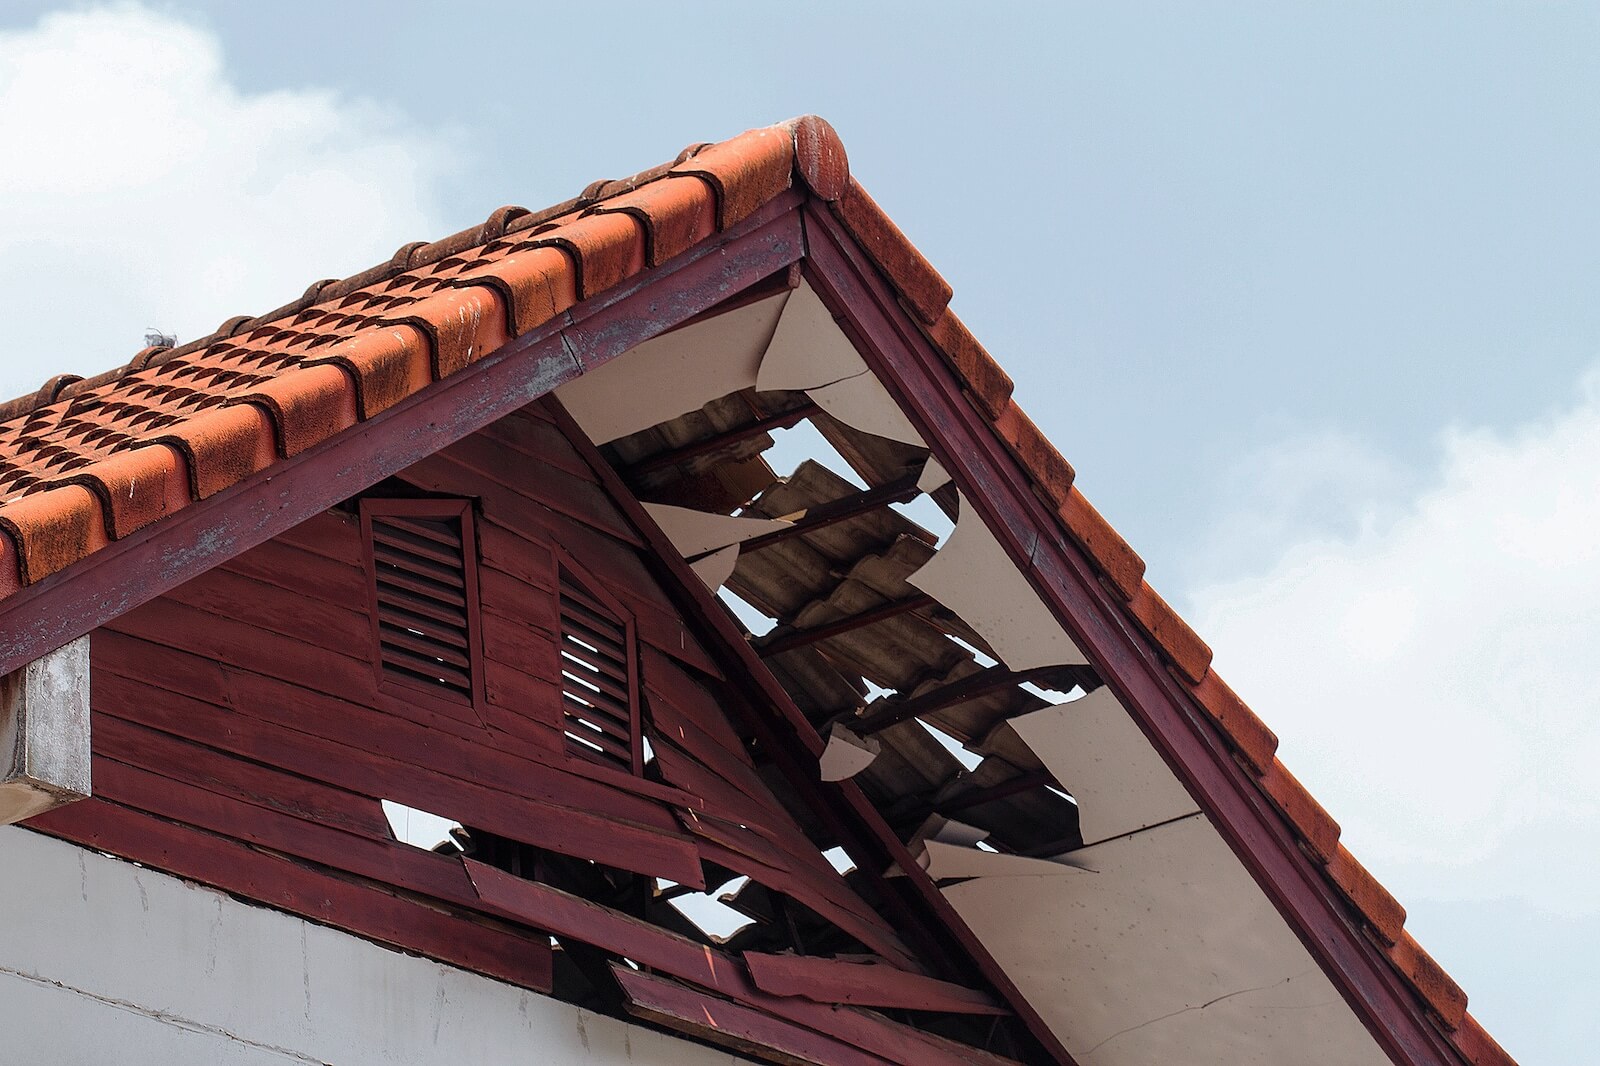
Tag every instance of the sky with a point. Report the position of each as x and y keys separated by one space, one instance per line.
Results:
x=1307 y=295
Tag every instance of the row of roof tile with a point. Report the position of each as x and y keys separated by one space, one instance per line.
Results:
x=84 y=462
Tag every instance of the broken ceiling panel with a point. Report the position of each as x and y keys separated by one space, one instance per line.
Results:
x=1119 y=781
x=1163 y=950
x=973 y=576
x=864 y=403
x=694 y=533
x=674 y=373
x=808 y=349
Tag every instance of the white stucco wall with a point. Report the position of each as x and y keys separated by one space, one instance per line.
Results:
x=106 y=963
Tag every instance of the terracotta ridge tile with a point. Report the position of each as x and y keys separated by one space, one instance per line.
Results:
x=463 y=324
x=1050 y=473
x=819 y=157
x=1477 y=1046
x=1381 y=910
x=1181 y=644
x=1315 y=826
x=1248 y=734
x=1120 y=563
x=223 y=445
x=746 y=171
x=1437 y=988
x=912 y=276
x=990 y=385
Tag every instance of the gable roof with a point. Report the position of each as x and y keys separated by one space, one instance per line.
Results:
x=87 y=463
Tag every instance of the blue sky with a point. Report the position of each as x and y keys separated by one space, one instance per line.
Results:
x=1308 y=297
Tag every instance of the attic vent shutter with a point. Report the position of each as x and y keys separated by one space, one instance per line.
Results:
x=425 y=593
x=599 y=701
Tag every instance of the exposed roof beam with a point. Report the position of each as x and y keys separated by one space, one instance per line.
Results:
x=710 y=445
x=881 y=714
x=976 y=797
x=789 y=640
x=835 y=511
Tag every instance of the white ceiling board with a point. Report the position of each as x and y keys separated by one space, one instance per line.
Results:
x=944 y=860
x=715 y=569
x=973 y=576
x=1098 y=754
x=933 y=477
x=847 y=754
x=1164 y=950
x=674 y=373
x=697 y=532
x=861 y=402
x=808 y=349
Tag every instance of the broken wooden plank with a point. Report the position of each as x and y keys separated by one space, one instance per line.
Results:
x=864 y=984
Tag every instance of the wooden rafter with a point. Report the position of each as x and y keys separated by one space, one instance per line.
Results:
x=779 y=642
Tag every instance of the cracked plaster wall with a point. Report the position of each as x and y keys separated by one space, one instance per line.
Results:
x=103 y=961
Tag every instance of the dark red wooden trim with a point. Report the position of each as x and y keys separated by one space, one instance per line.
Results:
x=967 y=445
x=712 y=1018
x=137 y=568
x=857 y=824
x=863 y=984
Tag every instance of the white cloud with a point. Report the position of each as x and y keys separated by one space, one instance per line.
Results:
x=1434 y=674
x=143 y=188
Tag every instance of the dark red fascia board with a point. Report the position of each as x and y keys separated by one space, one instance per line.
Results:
x=138 y=568
x=968 y=447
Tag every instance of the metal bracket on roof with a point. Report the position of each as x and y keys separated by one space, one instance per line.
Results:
x=44 y=733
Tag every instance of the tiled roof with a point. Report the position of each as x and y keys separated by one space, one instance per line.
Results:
x=84 y=462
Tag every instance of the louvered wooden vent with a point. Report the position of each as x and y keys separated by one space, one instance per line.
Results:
x=425 y=596
x=599 y=697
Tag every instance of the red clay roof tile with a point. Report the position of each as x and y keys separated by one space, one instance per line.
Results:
x=820 y=158
x=913 y=277
x=1182 y=645
x=1247 y=733
x=677 y=213
x=1477 y=1046
x=746 y=171
x=985 y=380
x=53 y=529
x=1381 y=910
x=1442 y=994
x=1315 y=826
x=1119 y=563
x=1052 y=475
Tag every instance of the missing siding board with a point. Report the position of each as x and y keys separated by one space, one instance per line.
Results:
x=422 y=565
x=599 y=675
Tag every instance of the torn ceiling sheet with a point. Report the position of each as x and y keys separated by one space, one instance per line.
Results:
x=808 y=349
x=861 y=402
x=715 y=569
x=847 y=754
x=674 y=373
x=1120 y=782
x=945 y=861
x=1164 y=950
x=694 y=533
x=933 y=477
x=973 y=576
x=810 y=353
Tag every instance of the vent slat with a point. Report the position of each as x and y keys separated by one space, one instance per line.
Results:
x=446 y=651
x=408 y=543
x=406 y=562
x=598 y=701
x=425 y=668
x=422 y=592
